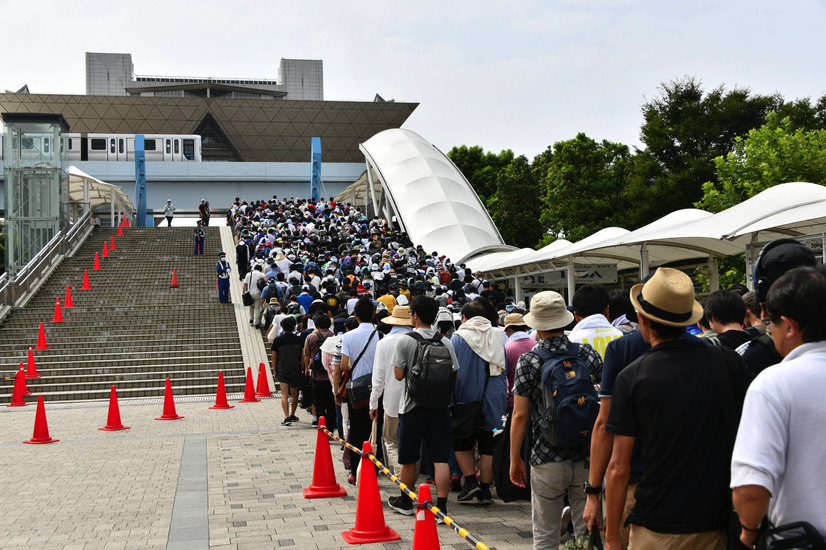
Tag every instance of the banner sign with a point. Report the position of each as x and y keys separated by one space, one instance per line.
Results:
x=583 y=274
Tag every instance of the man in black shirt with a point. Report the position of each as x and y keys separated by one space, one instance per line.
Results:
x=726 y=311
x=669 y=398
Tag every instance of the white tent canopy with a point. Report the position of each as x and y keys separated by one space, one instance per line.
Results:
x=85 y=188
x=429 y=197
x=790 y=209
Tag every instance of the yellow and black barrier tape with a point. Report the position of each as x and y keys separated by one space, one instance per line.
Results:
x=464 y=533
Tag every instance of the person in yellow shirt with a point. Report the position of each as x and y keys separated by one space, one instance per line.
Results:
x=387 y=299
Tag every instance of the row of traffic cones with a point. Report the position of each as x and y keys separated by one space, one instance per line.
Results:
x=370 y=524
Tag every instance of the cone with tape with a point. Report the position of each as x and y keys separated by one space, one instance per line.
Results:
x=41 y=427
x=22 y=374
x=168 y=405
x=263 y=389
x=249 y=390
x=58 y=313
x=32 y=368
x=113 y=422
x=41 y=339
x=324 y=484
x=370 y=525
x=221 y=394
x=425 y=536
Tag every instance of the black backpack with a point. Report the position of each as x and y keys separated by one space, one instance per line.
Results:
x=262 y=283
x=293 y=308
x=429 y=379
x=568 y=401
x=317 y=363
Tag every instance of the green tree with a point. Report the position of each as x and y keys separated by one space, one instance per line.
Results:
x=480 y=168
x=516 y=205
x=772 y=154
x=586 y=187
x=684 y=130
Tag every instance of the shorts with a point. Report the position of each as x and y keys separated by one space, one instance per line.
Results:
x=430 y=425
x=292 y=379
x=483 y=438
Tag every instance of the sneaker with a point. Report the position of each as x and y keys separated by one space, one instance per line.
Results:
x=484 y=496
x=440 y=521
x=430 y=481
x=566 y=519
x=455 y=484
x=402 y=505
x=286 y=422
x=351 y=479
x=469 y=491
x=315 y=423
x=292 y=418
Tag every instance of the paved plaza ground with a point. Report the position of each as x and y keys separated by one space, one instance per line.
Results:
x=222 y=479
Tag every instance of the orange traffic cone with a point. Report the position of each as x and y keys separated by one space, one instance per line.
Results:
x=41 y=427
x=96 y=267
x=120 y=230
x=168 y=405
x=425 y=536
x=112 y=243
x=324 y=482
x=370 y=525
x=58 y=313
x=22 y=374
x=263 y=389
x=85 y=281
x=126 y=222
x=41 y=339
x=221 y=395
x=105 y=250
x=174 y=283
x=32 y=368
x=67 y=303
x=17 y=393
x=249 y=392
x=113 y=423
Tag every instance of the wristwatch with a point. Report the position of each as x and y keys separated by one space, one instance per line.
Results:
x=590 y=490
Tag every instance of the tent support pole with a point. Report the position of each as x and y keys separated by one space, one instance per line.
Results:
x=713 y=275
x=570 y=273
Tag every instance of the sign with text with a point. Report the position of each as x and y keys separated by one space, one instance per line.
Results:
x=583 y=274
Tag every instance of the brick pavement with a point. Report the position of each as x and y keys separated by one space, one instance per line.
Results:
x=145 y=487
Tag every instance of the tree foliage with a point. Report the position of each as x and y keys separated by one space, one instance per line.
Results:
x=517 y=204
x=772 y=154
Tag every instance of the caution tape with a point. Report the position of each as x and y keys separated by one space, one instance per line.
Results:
x=464 y=533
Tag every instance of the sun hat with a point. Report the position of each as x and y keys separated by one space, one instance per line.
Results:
x=514 y=320
x=402 y=300
x=400 y=317
x=548 y=312
x=667 y=298
x=273 y=301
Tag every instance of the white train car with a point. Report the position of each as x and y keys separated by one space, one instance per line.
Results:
x=157 y=147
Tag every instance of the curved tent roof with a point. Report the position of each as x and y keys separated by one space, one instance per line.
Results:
x=432 y=200
x=100 y=193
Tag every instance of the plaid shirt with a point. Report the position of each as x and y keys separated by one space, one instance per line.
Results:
x=528 y=384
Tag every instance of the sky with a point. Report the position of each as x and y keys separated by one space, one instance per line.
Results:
x=517 y=75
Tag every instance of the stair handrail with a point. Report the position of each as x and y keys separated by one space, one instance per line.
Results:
x=16 y=291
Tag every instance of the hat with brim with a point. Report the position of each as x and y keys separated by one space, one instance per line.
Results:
x=514 y=320
x=667 y=298
x=548 y=312
x=399 y=317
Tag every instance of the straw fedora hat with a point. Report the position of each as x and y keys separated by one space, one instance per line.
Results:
x=548 y=312
x=400 y=316
x=667 y=298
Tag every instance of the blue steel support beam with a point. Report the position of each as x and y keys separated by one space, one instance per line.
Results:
x=315 y=181
x=140 y=180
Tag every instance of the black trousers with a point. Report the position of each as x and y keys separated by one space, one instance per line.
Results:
x=360 y=425
x=325 y=404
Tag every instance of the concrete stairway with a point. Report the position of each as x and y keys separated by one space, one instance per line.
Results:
x=131 y=329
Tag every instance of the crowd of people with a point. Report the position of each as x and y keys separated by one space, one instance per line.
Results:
x=399 y=345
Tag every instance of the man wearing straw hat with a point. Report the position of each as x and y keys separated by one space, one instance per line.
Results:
x=672 y=397
x=385 y=384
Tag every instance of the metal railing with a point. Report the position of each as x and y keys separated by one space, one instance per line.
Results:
x=18 y=290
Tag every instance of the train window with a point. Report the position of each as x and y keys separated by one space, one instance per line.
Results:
x=71 y=145
x=46 y=145
x=112 y=146
x=177 y=147
x=27 y=143
x=189 y=149
x=149 y=145
x=98 y=144
x=168 y=146
x=120 y=146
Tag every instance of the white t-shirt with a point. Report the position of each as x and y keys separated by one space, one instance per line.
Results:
x=781 y=441
x=596 y=331
x=384 y=376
